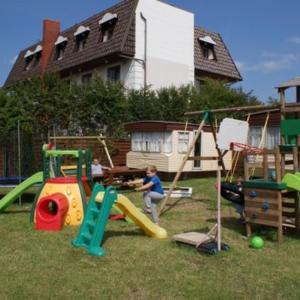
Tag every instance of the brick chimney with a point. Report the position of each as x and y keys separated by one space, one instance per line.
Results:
x=51 y=30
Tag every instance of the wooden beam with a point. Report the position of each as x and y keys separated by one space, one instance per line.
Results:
x=182 y=165
x=234 y=109
x=198 y=158
x=77 y=137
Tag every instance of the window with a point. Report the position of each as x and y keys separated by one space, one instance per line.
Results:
x=151 y=142
x=60 y=45
x=255 y=136
x=183 y=142
x=28 y=63
x=60 y=50
x=208 y=51
x=106 y=34
x=81 y=36
x=107 y=26
x=37 y=58
x=208 y=48
x=86 y=78
x=271 y=140
x=114 y=73
x=80 y=43
x=273 y=137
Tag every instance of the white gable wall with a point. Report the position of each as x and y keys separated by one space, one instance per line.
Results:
x=170 y=45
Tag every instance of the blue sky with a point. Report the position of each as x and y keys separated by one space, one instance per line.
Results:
x=262 y=35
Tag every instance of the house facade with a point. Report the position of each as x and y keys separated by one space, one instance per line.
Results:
x=140 y=42
x=164 y=144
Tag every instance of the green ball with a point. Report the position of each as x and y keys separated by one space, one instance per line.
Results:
x=257 y=242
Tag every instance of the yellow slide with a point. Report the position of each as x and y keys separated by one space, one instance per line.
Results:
x=142 y=221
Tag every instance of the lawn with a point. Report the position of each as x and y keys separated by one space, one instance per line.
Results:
x=43 y=265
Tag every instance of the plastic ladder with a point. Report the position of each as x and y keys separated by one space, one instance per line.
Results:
x=93 y=226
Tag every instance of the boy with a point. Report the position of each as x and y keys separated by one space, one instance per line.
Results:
x=153 y=192
x=97 y=168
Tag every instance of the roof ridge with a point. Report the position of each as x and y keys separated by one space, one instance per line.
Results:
x=205 y=29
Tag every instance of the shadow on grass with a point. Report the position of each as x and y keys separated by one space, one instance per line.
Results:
x=183 y=202
x=19 y=211
x=114 y=233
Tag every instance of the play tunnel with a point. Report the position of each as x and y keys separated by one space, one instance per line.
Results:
x=51 y=211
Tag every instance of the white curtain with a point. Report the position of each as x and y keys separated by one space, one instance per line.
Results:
x=136 y=141
x=183 y=142
x=255 y=136
x=273 y=137
x=167 y=142
x=153 y=142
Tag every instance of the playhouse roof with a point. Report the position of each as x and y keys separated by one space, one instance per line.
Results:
x=162 y=126
x=290 y=83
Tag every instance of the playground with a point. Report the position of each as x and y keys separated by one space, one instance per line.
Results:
x=137 y=267
x=96 y=237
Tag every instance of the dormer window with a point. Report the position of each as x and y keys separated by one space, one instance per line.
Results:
x=60 y=46
x=107 y=26
x=81 y=35
x=37 y=55
x=208 y=48
x=29 y=55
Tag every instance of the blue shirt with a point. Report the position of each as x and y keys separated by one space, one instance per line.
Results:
x=156 y=187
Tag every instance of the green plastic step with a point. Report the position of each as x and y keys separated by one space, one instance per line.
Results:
x=93 y=226
x=87 y=236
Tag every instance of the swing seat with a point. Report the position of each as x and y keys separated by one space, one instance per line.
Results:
x=232 y=192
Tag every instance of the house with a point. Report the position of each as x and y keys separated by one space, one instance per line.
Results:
x=164 y=144
x=140 y=42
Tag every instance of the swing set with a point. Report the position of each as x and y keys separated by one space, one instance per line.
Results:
x=225 y=141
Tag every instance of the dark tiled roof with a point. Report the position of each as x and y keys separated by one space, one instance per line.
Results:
x=223 y=66
x=122 y=42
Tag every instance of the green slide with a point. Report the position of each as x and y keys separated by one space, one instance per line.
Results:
x=292 y=181
x=19 y=190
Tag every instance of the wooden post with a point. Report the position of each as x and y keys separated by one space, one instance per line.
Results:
x=265 y=166
x=295 y=158
x=277 y=165
x=246 y=168
x=297 y=211
x=219 y=207
x=19 y=157
x=279 y=230
x=221 y=161
x=102 y=141
x=185 y=159
x=282 y=108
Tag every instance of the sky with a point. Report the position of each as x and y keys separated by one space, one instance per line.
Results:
x=263 y=36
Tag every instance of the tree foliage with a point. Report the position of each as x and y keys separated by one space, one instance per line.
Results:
x=104 y=106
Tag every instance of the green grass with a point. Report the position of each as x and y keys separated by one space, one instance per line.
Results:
x=43 y=265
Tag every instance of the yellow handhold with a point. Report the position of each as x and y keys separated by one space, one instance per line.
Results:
x=74 y=202
x=69 y=191
x=78 y=215
x=68 y=219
